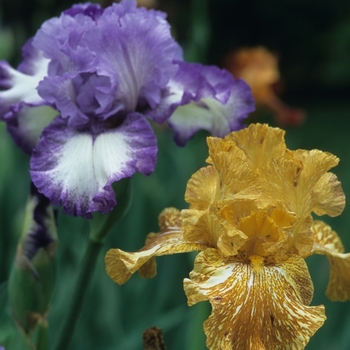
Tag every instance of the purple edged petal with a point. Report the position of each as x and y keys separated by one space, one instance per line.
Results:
x=77 y=168
x=211 y=100
x=19 y=86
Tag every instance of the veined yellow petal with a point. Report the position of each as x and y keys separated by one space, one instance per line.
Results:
x=328 y=196
x=236 y=179
x=201 y=188
x=255 y=306
x=121 y=265
x=196 y=226
x=328 y=243
x=260 y=143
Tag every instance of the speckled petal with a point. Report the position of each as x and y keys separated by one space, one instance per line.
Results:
x=328 y=196
x=260 y=143
x=254 y=306
x=328 y=243
x=77 y=168
x=236 y=178
x=121 y=265
x=315 y=165
x=201 y=188
x=197 y=226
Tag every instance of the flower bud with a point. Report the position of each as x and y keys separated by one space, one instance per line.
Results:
x=32 y=276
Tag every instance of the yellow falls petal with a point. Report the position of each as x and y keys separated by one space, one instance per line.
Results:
x=121 y=265
x=254 y=306
x=328 y=243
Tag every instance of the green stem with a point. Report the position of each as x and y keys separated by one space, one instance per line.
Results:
x=87 y=269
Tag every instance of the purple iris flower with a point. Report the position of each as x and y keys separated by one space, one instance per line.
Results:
x=80 y=101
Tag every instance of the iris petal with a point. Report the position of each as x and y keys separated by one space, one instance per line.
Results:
x=76 y=168
x=18 y=87
x=205 y=97
x=328 y=243
x=121 y=265
x=254 y=306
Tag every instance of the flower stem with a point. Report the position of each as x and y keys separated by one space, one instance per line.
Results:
x=87 y=269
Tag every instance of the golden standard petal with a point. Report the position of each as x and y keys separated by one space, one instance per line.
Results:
x=235 y=178
x=315 y=164
x=260 y=143
x=328 y=243
x=197 y=227
x=201 y=188
x=254 y=306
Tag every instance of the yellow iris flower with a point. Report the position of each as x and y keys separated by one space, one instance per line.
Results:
x=250 y=218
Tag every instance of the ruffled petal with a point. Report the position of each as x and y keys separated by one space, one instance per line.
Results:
x=328 y=196
x=197 y=226
x=201 y=188
x=18 y=87
x=260 y=144
x=328 y=243
x=139 y=69
x=236 y=178
x=254 y=306
x=76 y=168
x=205 y=97
x=74 y=104
x=101 y=65
x=61 y=40
x=121 y=265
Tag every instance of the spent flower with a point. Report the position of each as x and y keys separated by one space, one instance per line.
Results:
x=89 y=80
x=250 y=215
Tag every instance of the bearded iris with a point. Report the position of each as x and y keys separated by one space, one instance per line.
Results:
x=250 y=215
x=78 y=102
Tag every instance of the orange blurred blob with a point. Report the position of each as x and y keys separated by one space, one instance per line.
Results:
x=150 y=4
x=259 y=68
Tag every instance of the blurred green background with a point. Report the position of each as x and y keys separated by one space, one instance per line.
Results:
x=313 y=42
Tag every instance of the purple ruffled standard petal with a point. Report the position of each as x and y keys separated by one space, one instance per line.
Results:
x=77 y=168
x=18 y=87
x=93 y=11
x=61 y=40
x=143 y=53
x=205 y=97
x=115 y=65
